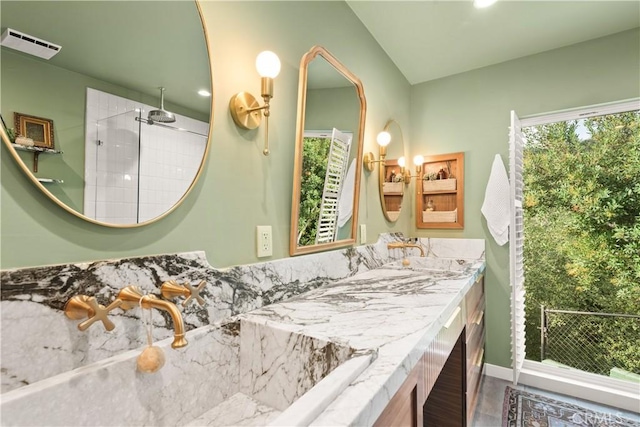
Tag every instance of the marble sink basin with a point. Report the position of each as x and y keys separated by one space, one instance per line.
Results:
x=237 y=373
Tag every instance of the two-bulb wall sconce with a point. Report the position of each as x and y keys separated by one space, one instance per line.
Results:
x=244 y=107
x=417 y=161
x=369 y=159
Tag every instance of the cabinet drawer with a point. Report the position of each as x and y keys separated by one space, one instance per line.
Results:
x=474 y=298
x=474 y=344
x=475 y=324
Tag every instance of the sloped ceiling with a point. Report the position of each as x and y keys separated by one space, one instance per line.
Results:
x=432 y=39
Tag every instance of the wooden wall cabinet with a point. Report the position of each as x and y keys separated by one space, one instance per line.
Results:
x=440 y=197
x=442 y=389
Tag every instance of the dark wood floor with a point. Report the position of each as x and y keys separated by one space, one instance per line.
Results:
x=489 y=409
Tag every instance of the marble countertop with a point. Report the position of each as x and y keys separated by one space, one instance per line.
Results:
x=394 y=310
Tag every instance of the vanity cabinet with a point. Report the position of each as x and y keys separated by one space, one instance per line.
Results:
x=443 y=387
x=440 y=192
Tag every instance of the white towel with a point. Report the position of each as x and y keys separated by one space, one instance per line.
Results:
x=496 y=207
x=345 y=204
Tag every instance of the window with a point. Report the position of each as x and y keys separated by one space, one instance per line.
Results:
x=522 y=201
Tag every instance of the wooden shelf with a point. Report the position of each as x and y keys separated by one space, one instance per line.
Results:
x=36 y=152
x=34 y=149
x=448 y=201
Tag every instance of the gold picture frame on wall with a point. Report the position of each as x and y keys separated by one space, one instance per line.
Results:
x=37 y=128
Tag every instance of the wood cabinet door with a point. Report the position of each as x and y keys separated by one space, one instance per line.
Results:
x=445 y=406
x=405 y=408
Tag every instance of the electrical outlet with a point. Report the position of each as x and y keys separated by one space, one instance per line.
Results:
x=264 y=241
x=363 y=234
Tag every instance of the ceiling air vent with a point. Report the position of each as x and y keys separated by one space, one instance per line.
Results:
x=29 y=44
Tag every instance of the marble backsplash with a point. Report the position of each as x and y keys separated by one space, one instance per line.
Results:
x=38 y=341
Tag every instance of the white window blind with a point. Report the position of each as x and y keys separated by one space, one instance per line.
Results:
x=516 y=246
x=336 y=170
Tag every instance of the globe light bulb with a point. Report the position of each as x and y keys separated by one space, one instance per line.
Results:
x=383 y=138
x=268 y=64
x=401 y=162
x=418 y=160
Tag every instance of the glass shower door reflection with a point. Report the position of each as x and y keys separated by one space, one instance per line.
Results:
x=117 y=169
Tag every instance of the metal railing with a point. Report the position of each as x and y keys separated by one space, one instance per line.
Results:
x=592 y=342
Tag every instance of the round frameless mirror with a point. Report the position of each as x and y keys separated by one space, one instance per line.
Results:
x=114 y=126
x=391 y=174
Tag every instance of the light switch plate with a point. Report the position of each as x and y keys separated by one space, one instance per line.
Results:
x=363 y=234
x=264 y=241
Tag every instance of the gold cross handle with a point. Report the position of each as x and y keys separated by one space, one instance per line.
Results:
x=81 y=306
x=195 y=293
x=172 y=289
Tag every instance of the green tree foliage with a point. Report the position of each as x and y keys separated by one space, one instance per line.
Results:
x=582 y=227
x=314 y=170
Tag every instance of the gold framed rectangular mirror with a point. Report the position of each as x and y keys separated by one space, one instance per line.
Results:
x=327 y=162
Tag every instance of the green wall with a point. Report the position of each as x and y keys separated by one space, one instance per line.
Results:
x=239 y=187
x=470 y=112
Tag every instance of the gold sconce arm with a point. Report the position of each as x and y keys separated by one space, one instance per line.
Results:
x=417 y=161
x=81 y=306
x=245 y=110
x=369 y=160
x=407 y=175
x=172 y=289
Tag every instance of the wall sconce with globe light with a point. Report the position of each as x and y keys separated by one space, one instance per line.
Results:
x=244 y=107
x=417 y=161
x=369 y=159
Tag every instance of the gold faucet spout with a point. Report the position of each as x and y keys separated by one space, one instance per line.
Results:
x=401 y=245
x=132 y=296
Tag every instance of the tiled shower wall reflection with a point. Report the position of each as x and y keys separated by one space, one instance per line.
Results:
x=135 y=171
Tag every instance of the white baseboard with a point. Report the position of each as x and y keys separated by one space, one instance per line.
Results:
x=499 y=372
x=595 y=388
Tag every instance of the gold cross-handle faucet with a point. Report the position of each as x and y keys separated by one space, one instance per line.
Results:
x=172 y=289
x=81 y=306
x=129 y=297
